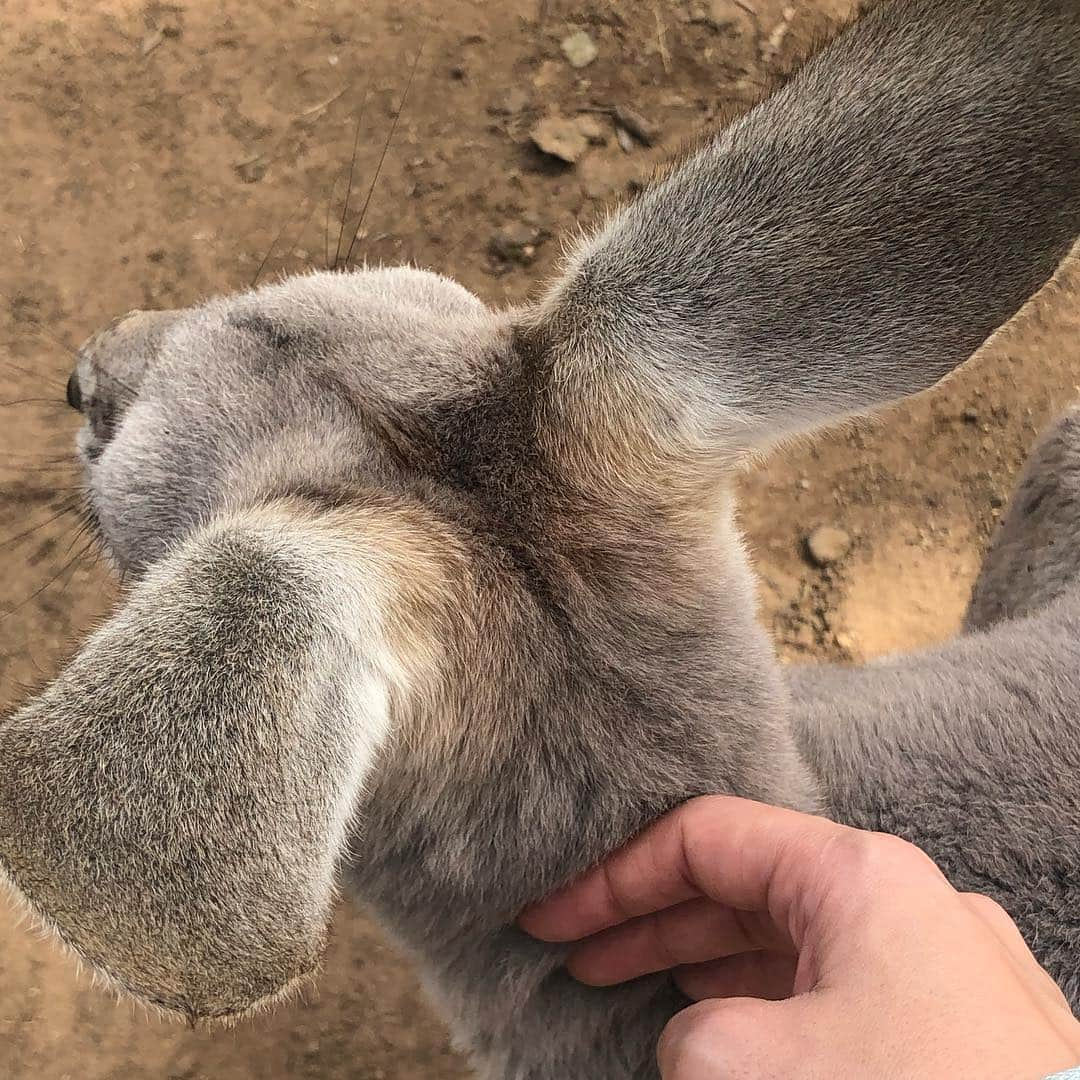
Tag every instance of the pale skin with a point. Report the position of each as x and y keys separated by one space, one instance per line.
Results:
x=813 y=951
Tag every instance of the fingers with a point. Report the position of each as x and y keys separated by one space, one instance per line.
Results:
x=740 y=853
x=648 y=874
x=767 y=976
x=689 y=933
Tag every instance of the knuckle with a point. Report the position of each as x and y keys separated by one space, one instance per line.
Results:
x=988 y=908
x=704 y=807
x=902 y=854
x=858 y=855
x=849 y=853
x=695 y=1039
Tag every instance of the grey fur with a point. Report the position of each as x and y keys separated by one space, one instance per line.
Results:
x=473 y=582
x=1037 y=549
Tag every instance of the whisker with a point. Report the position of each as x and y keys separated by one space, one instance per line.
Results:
x=89 y=548
x=326 y=230
x=48 y=377
x=303 y=229
x=37 y=459
x=274 y=243
x=50 y=470
x=34 y=401
x=41 y=494
x=386 y=147
x=40 y=328
x=69 y=507
x=87 y=525
x=38 y=591
x=352 y=172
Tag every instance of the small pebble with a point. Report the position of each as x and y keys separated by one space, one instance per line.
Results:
x=625 y=140
x=579 y=49
x=251 y=171
x=170 y=26
x=645 y=131
x=560 y=138
x=151 y=42
x=828 y=544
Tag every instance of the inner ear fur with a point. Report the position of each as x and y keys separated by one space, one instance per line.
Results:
x=173 y=806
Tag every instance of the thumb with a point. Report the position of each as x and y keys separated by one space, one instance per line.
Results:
x=734 y=1039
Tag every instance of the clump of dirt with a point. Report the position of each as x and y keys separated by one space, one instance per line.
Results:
x=158 y=153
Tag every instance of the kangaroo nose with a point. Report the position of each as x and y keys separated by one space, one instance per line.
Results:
x=74 y=395
x=112 y=361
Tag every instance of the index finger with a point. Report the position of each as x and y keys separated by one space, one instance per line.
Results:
x=734 y=851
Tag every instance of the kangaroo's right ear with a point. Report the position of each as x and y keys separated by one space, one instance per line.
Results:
x=850 y=240
x=175 y=803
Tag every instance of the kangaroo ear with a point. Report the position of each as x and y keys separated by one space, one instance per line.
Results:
x=850 y=240
x=174 y=804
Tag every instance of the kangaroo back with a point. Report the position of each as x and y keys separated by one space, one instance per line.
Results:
x=1035 y=555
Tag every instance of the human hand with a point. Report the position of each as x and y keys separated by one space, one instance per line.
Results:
x=814 y=951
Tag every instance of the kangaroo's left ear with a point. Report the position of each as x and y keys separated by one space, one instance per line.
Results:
x=175 y=803
x=850 y=240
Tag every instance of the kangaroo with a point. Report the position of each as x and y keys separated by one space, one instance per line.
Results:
x=439 y=604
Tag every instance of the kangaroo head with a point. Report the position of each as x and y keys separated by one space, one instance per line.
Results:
x=316 y=385
x=368 y=518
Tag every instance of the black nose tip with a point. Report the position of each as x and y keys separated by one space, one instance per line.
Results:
x=74 y=395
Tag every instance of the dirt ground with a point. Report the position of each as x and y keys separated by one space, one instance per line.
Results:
x=153 y=153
